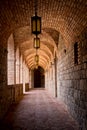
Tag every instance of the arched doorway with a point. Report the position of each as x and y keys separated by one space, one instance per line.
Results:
x=39 y=78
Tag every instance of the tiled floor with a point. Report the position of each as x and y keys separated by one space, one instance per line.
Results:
x=38 y=111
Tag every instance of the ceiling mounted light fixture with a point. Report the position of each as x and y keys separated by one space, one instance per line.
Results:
x=36 y=22
x=36 y=42
x=36 y=58
x=36 y=66
x=36 y=30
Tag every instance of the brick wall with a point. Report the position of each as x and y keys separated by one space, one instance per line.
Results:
x=72 y=80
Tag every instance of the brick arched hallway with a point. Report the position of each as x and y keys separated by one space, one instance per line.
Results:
x=62 y=62
x=37 y=110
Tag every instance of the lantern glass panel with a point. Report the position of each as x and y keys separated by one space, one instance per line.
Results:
x=36 y=25
x=39 y=25
x=36 y=66
x=36 y=58
x=36 y=43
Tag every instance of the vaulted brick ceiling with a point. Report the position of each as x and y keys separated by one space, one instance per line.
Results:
x=65 y=17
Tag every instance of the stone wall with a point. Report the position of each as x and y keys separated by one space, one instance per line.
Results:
x=72 y=80
x=10 y=61
x=26 y=87
x=18 y=91
x=9 y=90
x=4 y=100
x=50 y=80
x=8 y=95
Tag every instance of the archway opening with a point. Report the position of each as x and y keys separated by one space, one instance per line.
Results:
x=39 y=78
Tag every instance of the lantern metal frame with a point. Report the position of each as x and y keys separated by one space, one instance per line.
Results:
x=36 y=58
x=37 y=66
x=36 y=22
x=37 y=42
x=36 y=30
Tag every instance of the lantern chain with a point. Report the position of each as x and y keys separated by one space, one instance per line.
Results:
x=35 y=2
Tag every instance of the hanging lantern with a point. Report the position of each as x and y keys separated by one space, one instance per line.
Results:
x=36 y=66
x=36 y=24
x=36 y=58
x=36 y=42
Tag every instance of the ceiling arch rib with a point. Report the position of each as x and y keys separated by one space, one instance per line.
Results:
x=40 y=52
x=33 y=55
x=33 y=66
x=41 y=57
x=41 y=60
x=45 y=53
x=40 y=64
x=29 y=64
x=42 y=47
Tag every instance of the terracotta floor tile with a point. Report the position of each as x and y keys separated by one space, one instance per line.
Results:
x=38 y=111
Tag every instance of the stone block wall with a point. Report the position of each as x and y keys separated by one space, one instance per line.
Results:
x=18 y=91
x=10 y=61
x=9 y=90
x=72 y=80
x=17 y=66
x=26 y=87
x=8 y=95
x=50 y=81
x=4 y=99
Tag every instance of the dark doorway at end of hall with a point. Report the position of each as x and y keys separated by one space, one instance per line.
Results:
x=39 y=78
